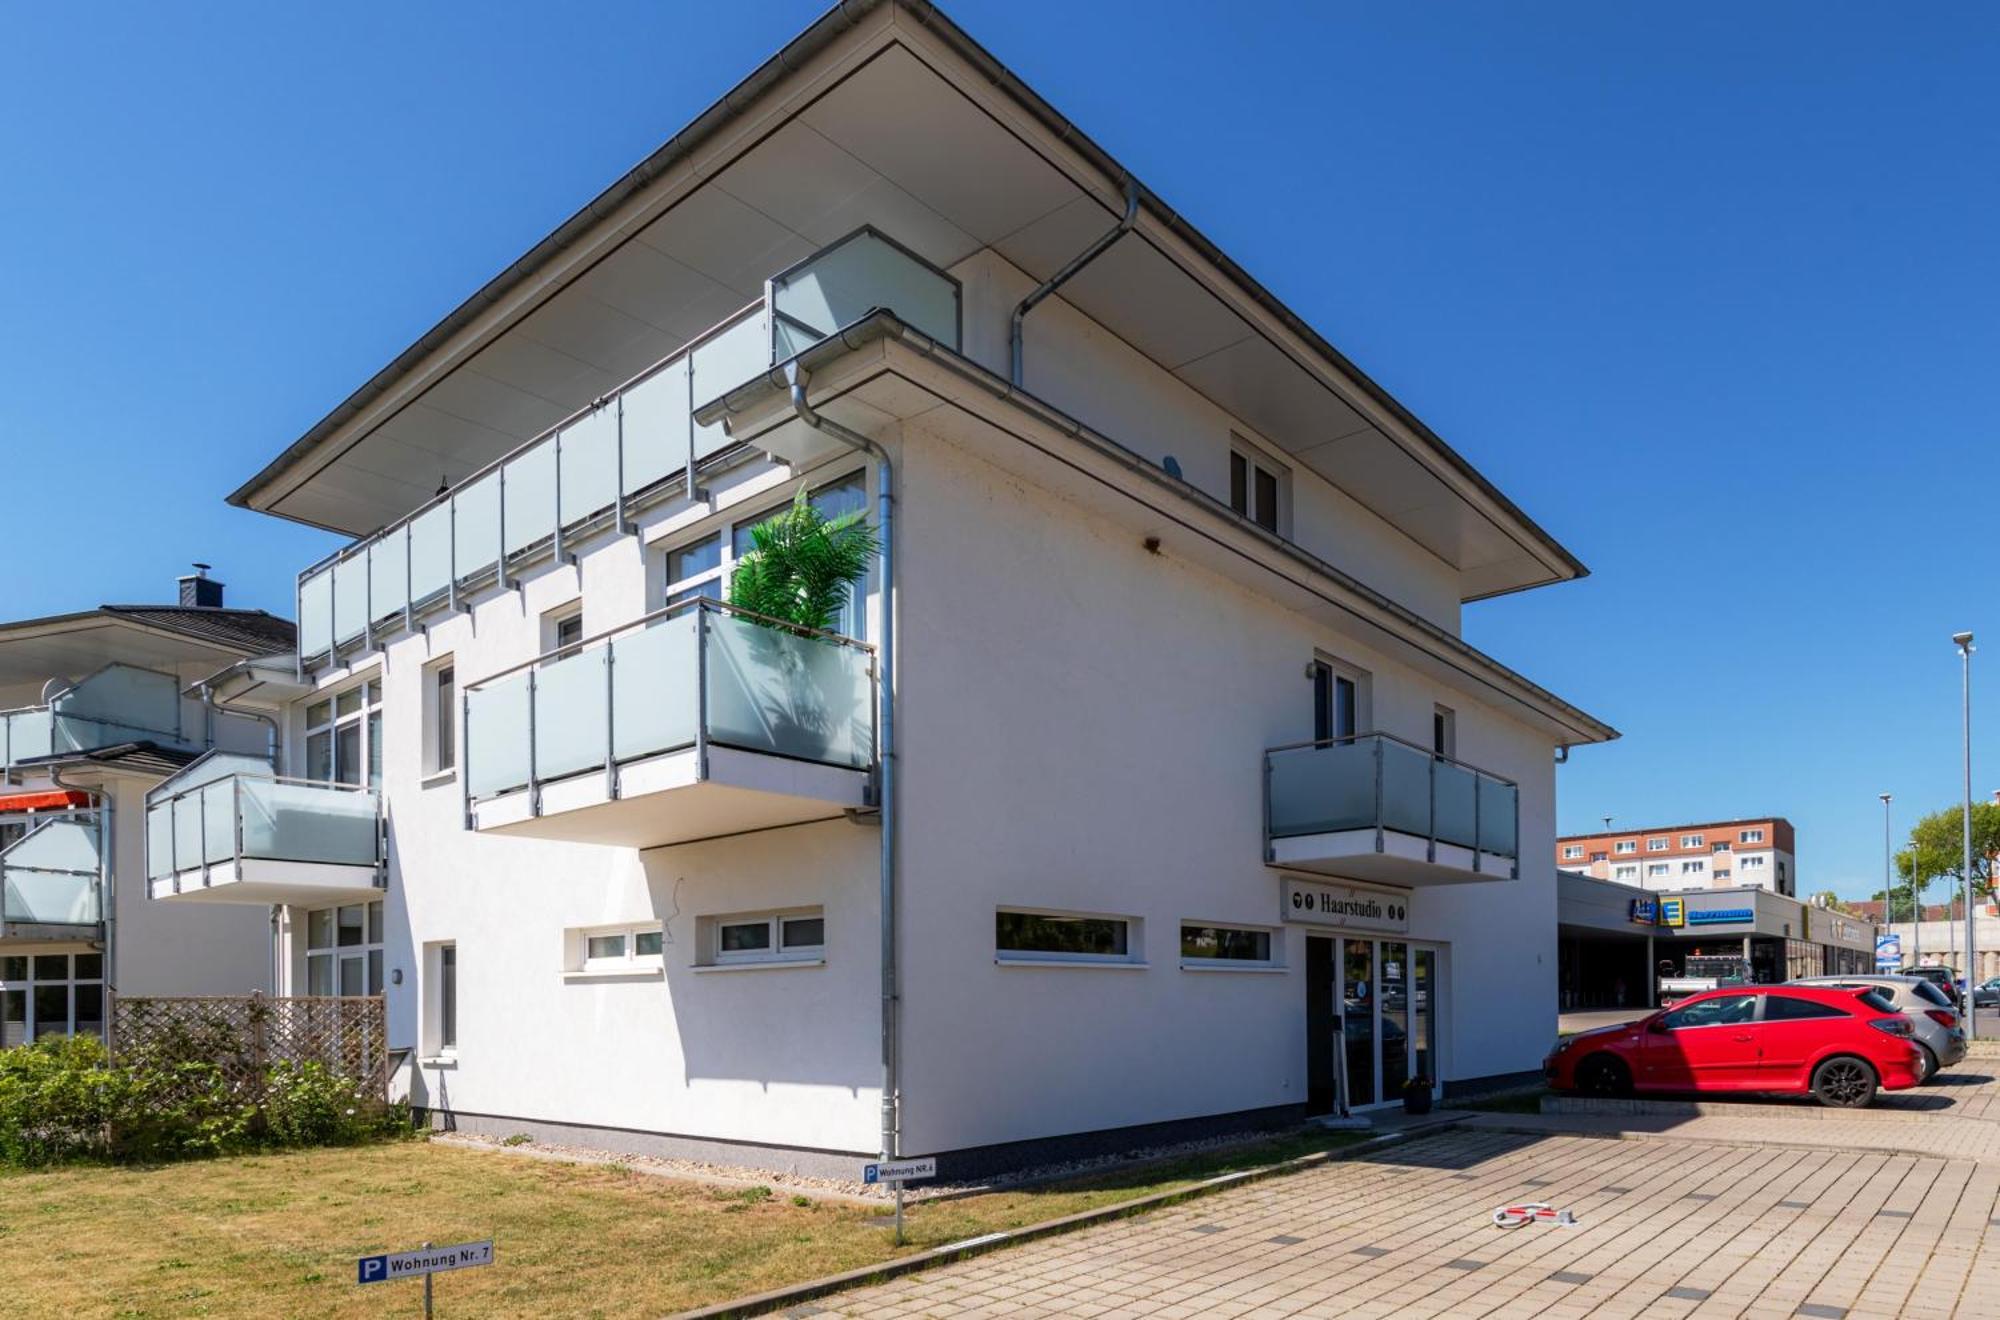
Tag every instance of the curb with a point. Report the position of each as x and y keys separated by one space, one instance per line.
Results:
x=780 y=1298
x=1747 y=1143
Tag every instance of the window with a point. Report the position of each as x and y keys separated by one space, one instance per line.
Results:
x=1786 y=1008
x=441 y=731
x=1925 y=990
x=50 y=994
x=1690 y=840
x=344 y=950
x=702 y=566
x=1338 y=690
x=1240 y=945
x=797 y=936
x=1444 y=731
x=344 y=737
x=1625 y=872
x=1256 y=487
x=1752 y=863
x=1657 y=868
x=1656 y=845
x=448 y=996
x=562 y=629
x=1750 y=836
x=1626 y=846
x=1062 y=937
x=1598 y=856
x=1718 y=847
x=615 y=949
x=1720 y=873
x=1722 y=1011
x=1695 y=867
x=1572 y=851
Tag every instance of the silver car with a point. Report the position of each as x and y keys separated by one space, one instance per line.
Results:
x=1935 y=1019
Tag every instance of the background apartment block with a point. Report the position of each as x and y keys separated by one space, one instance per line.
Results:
x=1752 y=853
x=1185 y=786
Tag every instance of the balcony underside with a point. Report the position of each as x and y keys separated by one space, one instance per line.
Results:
x=261 y=881
x=1387 y=857
x=665 y=800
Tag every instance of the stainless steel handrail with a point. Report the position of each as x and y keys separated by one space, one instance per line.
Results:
x=578 y=647
x=1312 y=743
x=333 y=785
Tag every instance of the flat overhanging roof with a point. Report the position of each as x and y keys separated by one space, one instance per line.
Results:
x=887 y=113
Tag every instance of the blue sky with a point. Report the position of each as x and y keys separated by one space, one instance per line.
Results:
x=1710 y=290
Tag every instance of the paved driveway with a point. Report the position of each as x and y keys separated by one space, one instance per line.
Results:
x=1694 y=1220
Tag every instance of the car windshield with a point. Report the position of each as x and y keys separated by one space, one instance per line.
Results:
x=1876 y=1000
x=1925 y=990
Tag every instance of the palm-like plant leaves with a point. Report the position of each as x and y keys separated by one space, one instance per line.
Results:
x=802 y=565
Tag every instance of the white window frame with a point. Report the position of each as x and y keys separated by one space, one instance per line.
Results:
x=440 y=743
x=435 y=1019
x=1755 y=862
x=366 y=718
x=32 y=1026
x=1754 y=836
x=1691 y=841
x=1694 y=866
x=1659 y=845
x=1628 y=871
x=1654 y=869
x=1254 y=461
x=578 y=962
x=555 y=621
x=775 y=953
x=1625 y=847
x=374 y=919
x=1134 y=955
x=1273 y=962
x=1572 y=851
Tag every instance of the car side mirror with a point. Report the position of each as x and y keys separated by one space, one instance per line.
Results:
x=1659 y=1027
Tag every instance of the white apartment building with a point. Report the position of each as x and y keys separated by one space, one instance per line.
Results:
x=1757 y=852
x=93 y=715
x=1148 y=777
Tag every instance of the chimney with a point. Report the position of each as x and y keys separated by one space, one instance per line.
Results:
x=200 y=590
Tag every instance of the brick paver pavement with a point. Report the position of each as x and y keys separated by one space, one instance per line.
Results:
x=1706 y=1217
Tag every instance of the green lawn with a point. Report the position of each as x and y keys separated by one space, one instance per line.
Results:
x=278 y=1234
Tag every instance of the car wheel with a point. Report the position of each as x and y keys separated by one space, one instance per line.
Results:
x=1600 y=1074
x=1929 y=1068
x=1844 y=1082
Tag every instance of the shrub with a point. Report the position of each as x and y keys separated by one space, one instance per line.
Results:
x=65 y=1099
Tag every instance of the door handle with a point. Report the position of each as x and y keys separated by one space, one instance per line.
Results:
x=1745 y=1036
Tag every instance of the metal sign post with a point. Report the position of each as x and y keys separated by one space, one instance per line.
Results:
x=896 y=1173
x=428 y=1261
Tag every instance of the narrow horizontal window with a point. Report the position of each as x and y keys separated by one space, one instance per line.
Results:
x=606 y=946
x=614 y=949
x=1058 y=935
x=771 y=937
x=1226 y=944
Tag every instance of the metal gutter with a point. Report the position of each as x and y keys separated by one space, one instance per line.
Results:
x=1016 y=355
x=884 y=325
x=842 y=18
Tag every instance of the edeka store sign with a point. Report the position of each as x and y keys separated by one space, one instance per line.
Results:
x=1348 y=906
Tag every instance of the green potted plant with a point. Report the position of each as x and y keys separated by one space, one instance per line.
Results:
x=1417 y=1095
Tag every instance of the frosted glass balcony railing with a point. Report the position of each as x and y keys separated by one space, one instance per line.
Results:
x=51 y=876
x=698 y=674
x=1374 y=781
x=117 y=704
x=242 y=816
x=589 y=467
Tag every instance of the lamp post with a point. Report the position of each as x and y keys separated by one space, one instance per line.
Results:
x=1964 y=641
x=1888 y=877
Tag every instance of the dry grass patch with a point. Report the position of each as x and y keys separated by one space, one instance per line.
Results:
x=279 y=1234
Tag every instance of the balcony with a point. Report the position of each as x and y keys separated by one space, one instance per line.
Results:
x=117 y=704
x=1373 y=807
x=52 y=879
x=698 y=721
x=226 y=830
x=637 y=445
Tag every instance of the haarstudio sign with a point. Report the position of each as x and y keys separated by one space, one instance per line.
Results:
x=1346 y=905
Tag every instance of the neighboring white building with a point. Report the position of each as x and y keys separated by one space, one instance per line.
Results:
x=1756 y=852
x=92 y=716
x=1189 y=756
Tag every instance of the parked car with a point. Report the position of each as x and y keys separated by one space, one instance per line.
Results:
x=1944 y=978
x=1939 y=1031
x=1986 y=994
x=1838 y=1046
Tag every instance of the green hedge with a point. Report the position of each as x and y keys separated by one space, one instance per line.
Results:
x=64 y=1099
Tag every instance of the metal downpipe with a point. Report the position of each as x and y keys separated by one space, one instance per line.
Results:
x=885 y=501
x=1016 y=364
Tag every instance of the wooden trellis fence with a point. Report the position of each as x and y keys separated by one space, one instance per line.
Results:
x=243 y=1036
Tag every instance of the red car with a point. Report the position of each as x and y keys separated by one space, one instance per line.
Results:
x=1833 y=1044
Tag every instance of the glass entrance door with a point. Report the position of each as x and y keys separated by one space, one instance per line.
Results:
x=1388 y=1017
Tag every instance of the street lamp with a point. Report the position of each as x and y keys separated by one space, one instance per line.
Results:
x=1964 y=643
x=1888 y=880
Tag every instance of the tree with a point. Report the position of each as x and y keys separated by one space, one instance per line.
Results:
x=802 y=565
x=1936 y=851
